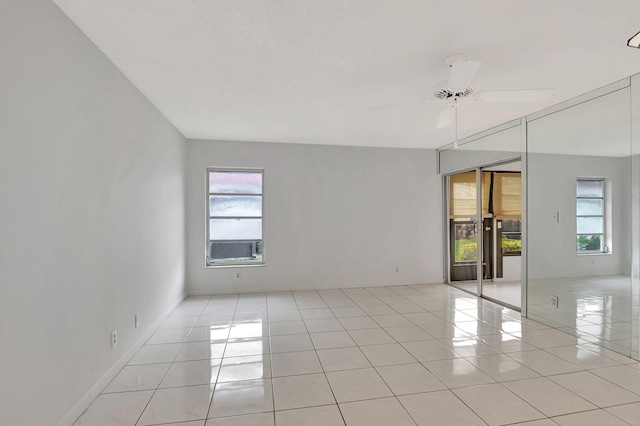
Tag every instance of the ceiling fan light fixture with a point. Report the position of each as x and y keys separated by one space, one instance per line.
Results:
x=634 y=41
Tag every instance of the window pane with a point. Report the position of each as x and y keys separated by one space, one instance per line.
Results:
x=589 y=207
x=511 y=225
x=589 y=243
x=239 y=251
x=235 y=182
x=590 y=225
x=589 y=188
x=235 y=205
x=465 y=240
x=235 y=229
x=511 y=243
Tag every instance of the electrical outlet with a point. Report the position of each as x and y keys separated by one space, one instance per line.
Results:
x=397 y=269
x=137 y=321
x=554 y=301
x=238 y=275
x=114 y=338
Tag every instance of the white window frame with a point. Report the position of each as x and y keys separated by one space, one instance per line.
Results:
x=209 y=262
x=603 y=236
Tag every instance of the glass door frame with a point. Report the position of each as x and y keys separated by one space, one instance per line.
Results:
x=479 y=218
x=479 y=230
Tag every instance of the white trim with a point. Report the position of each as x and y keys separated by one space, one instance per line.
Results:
x=81 y=406
x=493 y=130
x=524 y=219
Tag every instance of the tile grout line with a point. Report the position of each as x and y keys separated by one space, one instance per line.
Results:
x=324 y=372
x=273 y=389
x=445 y=298
x=163 y=377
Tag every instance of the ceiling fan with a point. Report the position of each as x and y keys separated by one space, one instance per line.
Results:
x=459 y=86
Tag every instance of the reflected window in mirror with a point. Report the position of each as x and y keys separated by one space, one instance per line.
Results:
x=511 y=241
x=506 y=206
x=590 y=218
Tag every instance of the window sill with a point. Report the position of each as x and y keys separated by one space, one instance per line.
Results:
x=246 y=265
x=512 y=254
x=596 y=253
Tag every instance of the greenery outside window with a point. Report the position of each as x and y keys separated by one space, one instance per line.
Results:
x=465 y=249
x=511 y=243
x=235 y=217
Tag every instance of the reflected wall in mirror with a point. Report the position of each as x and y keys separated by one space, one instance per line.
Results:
x=579 y=219
x=500 y=144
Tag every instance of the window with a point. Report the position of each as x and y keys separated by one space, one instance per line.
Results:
x=590 y=222
x=506 y=195
x=235 y=217
x=462 y=195
x=507 y=209
x=463 y=214
x=465 y=240
x=511 y=236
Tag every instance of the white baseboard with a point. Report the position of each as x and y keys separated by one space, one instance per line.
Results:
x=80 y=407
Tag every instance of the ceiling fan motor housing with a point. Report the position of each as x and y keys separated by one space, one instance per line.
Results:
x=445 y=93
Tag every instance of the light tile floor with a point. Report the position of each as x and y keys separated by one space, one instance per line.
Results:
x=597 y=309
x=509 y=292
x=406 y=355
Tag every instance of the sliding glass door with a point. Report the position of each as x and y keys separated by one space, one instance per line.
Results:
x=484 y=231
x=502 y=247
x=465 y=233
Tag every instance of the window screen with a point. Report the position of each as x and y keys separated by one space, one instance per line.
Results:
x=235 y=217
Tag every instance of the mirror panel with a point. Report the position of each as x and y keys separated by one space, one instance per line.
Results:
x=579 y=237
x=635 y=212
x=594 y=277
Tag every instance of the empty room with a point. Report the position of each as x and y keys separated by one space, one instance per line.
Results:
x=329 y=213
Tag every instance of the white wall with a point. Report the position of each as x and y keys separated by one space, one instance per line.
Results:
x=551 y=181
x=91 y=214
x=334 y=217
x=511 y=269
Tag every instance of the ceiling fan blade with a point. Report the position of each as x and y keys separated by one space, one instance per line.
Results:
x=402 y=104
x=389 y=106
x=462 y=74
x=446 y=117
x=532 y=95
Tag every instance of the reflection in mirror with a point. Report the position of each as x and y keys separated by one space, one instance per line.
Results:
x=503 y=225
x=492 y=146
x=484 y=205
x=635 y=213
x=579 y=221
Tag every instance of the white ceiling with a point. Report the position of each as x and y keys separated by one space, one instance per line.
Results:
x=353 y=72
